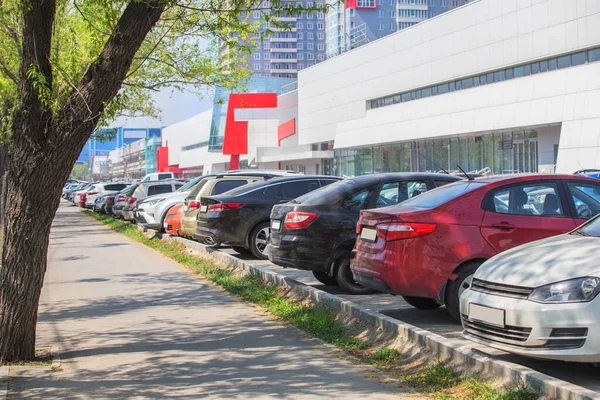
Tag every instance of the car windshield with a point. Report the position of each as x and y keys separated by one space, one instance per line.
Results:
x=189 y=185
x=591 y=228
x=441 y=195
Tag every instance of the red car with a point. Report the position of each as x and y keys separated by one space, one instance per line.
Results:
x=428 y=248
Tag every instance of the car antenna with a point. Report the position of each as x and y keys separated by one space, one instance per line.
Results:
x=581 y=166
x=434 y=163
x=467 y=175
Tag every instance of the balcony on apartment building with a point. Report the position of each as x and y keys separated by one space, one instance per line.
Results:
x=282 y=40
x=283 y=50
x=283 y=71
x=285 y=19
x=283 y=60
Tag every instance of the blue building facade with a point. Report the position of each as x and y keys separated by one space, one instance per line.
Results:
x=106 y=140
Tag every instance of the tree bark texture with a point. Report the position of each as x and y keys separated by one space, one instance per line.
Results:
x=43 y=150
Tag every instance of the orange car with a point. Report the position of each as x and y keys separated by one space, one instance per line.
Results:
x=172 y=223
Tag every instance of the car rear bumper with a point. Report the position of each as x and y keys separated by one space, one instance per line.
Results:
x=127 y=215
x=301 y=253
x=406 y=267
x=220 y=233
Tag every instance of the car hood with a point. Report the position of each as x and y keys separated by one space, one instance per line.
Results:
x=168 y=198
x=545 y=261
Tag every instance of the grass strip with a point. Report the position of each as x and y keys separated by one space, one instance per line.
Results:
x=437 y=379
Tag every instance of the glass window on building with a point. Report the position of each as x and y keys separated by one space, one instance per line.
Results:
x=594 y=55
x=578 y=58
x=508 y=152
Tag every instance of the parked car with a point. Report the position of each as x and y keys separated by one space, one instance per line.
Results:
x=172 y=224
x=158 y=176
x=541 y=299
x=78 y=194
x=590 y=173
x=70 y=187
x=216 y=185
x=100 y=189
x=120 y=201
x=75 y=194
x=241 y=217
x=101 y=203
x=317 y=231
x=151 y=212
x=428 y=248
x=143 y=190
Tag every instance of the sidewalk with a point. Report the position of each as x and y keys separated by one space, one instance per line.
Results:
x=132 y=324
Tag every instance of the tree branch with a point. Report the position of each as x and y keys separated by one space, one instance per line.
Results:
x=8 y=73
x=104 y=77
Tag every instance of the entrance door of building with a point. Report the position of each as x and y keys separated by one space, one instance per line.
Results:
x=525 y=155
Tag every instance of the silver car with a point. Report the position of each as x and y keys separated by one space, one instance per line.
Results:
x=151 y=212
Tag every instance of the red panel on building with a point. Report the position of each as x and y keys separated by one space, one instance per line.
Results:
x=162 y=158
x=361 y=3
x=285 y=130
x=235 y=141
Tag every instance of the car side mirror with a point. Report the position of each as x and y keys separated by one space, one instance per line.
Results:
x=597 y=191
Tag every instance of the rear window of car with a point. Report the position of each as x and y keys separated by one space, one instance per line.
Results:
x=159 y=189
x=113 y=187
x=226 y=185
x=291 y=190
x=329 y=193
x=442 y=195
x=164 y=176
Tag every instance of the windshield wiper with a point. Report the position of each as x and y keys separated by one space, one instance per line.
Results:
x=581 y=233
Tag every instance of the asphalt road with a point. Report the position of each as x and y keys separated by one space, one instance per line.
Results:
x=440 y=322
x=135 y=325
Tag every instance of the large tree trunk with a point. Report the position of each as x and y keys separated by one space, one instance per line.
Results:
x=42 y=153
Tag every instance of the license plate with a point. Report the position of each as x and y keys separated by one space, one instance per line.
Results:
x=487 y=315
x=203 y=209
x=276 y=224
x=368 y=234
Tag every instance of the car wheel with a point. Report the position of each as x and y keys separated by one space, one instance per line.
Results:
x=241 y=250
x=421 y=303
x=324 y=278
x=457 y=287
x=259 y=238
x=344 y=278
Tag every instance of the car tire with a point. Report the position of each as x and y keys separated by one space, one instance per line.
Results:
x=421 y=303
x=344 y=278
x=455 y=288
x=324 y=278
x=241 y=250
x=259 y=238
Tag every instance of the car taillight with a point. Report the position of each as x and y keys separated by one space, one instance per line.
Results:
x=298 y=219
x=132 y=200
x=194 y=205
x=120 y=198
x=224 y=207
x=403 y=230
x=91 y=193
x=109 y=202
x=358 y=228
x=82 y=196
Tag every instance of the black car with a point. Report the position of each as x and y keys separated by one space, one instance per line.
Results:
x=104 y=204
x=240 y=217
x=316 y=232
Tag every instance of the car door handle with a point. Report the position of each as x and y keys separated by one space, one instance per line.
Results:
x=505 y=226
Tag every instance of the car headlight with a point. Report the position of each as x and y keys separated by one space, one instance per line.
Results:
x=577 y=290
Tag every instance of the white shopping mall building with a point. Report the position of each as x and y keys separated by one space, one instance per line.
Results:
x=496 y=85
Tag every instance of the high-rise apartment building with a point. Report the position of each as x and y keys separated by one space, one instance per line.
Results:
x=357 y=22
x=299 y=45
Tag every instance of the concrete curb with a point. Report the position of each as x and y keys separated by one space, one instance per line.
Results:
x=445 y=349
x=4 y=381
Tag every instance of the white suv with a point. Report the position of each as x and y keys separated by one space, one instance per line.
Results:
x=101 y=189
